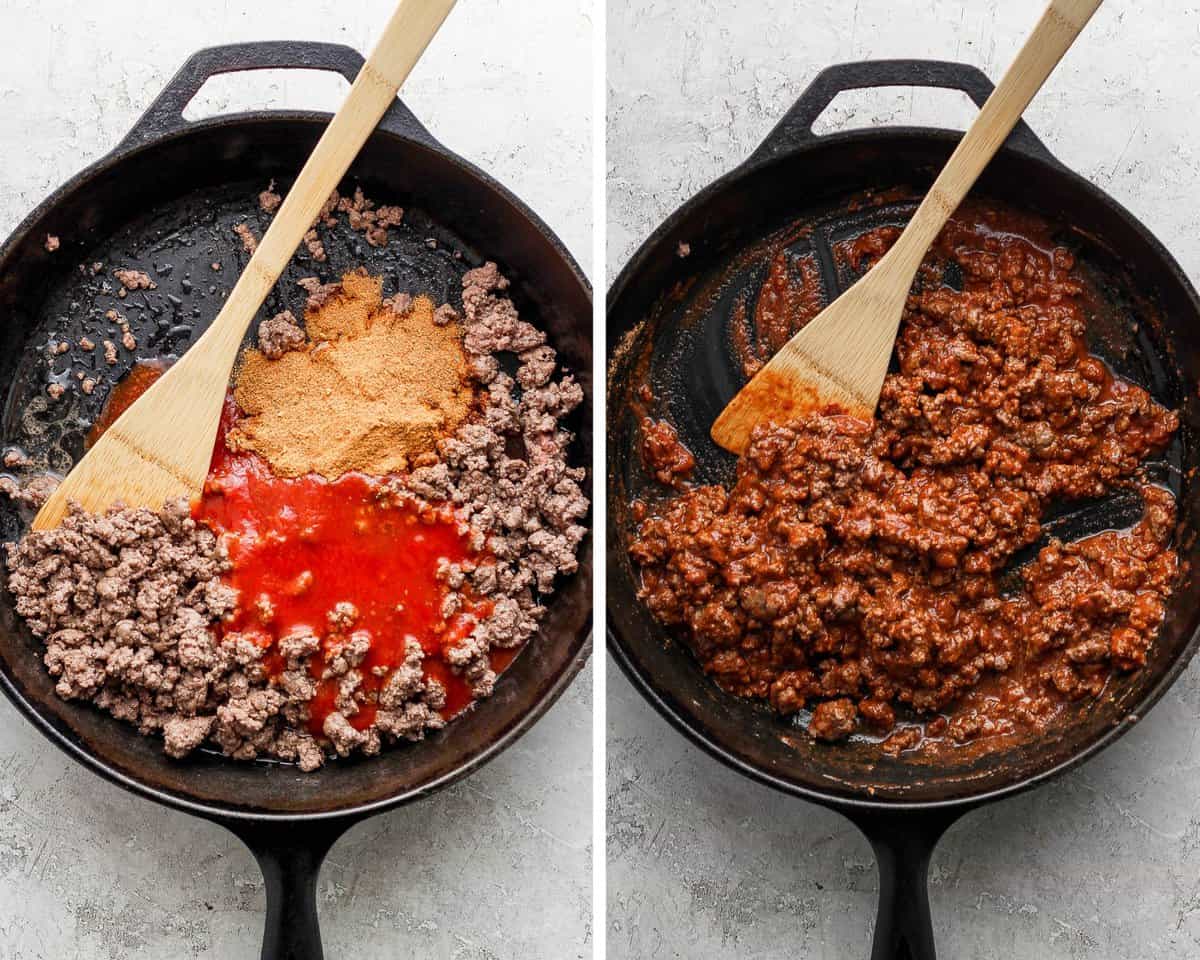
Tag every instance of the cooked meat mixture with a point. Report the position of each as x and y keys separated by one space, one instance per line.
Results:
x=854 y=567
x=193 y=635
x=378 y=387
x=668 y=460
x=280 y=334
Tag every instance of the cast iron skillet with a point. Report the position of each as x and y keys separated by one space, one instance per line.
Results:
x=165 y=201
x=668 y=315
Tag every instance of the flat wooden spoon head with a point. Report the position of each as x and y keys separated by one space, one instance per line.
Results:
x=836 y=363
x=160 y=448
x=839 y=359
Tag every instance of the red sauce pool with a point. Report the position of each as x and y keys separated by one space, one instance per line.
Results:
x=300 y=546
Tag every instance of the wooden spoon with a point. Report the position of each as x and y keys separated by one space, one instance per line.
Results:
x=159 y=449
x=840 y=357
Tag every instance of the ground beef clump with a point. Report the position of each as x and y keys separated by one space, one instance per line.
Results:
x=134 y=280
x=667 y=459
x=853 y=568
x=361 y=215
x=279 y=335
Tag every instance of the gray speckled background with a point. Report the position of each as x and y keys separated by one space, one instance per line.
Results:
x=494 y=868
x=704 y=864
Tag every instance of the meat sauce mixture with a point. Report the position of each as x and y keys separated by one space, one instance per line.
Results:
x=854 y=567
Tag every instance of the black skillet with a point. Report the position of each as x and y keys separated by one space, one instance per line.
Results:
x=165 y=200
x=668 y=316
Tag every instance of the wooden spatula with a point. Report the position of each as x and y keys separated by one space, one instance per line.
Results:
x=841 y=356
x=160 y=448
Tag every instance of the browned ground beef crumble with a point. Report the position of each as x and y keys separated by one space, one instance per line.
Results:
x=279 y=334
x=853 y=567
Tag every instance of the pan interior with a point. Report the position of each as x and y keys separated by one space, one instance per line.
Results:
x=170 y=210
x=670 y=319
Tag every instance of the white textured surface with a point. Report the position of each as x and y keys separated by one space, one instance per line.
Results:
x=495 y=867
x=704 y=864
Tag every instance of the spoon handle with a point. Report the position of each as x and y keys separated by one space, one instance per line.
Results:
x=1062 y=22
x=404 y=39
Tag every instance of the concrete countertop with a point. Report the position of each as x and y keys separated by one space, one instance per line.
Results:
x=705 y=864
x=497 y=866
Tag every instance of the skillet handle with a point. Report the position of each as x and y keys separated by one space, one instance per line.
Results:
x=165 y=114
x=904 y=843
x=795 y=129
x=290 y=857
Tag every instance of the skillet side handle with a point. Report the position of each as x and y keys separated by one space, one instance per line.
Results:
x=796 y=128
x=904 y=843
x=165 y=115
x=290 y=857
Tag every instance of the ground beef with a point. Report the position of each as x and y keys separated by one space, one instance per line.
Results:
x=314 y=246
x=32 y=490
x=134 y=280
x=834 y=719
x=665 y=458
x=361 y=215
x=128 y=341
x=318 y=292
x=129 y=605
x=246 y=235
x=269 y=201
x=854 y=566
x=525 y=510
x=125 y=603
x=280 y=334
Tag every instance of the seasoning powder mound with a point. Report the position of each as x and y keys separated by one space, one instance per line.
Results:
x=372 y=389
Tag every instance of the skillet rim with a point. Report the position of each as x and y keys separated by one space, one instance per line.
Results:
x=581 y=642
x=616 y=644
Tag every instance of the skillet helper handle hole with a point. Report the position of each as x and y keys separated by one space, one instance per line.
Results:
x=903 y=843
x=796 y=128
x=166 y=114
x=290 y=857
